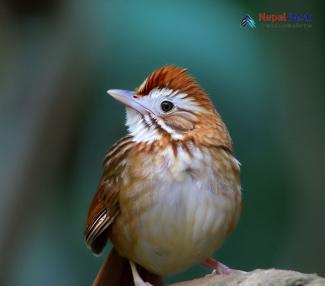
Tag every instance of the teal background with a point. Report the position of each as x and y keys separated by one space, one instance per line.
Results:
x=58 y=58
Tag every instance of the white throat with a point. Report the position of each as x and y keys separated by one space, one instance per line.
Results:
x=140 y=131
x=143 y=130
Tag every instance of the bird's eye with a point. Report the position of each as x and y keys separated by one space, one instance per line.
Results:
x=166 y=106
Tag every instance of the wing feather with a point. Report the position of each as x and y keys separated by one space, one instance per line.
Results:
x=105 y=206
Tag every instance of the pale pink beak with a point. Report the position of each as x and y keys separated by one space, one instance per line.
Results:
x=127 y=97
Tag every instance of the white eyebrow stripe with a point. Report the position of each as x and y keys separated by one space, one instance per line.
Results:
x=165 y=92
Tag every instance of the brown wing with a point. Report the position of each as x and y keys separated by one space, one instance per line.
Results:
x=105 y=205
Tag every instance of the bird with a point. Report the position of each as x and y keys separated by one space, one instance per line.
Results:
x=170 y=191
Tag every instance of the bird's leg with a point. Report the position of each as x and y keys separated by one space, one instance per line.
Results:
x=217 y=266
x=136 y=276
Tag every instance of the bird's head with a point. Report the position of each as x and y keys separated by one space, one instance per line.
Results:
x=170 y=104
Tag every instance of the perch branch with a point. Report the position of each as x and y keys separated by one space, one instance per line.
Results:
x=259 y=277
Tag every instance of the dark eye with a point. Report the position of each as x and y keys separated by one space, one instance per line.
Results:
x=166 y=106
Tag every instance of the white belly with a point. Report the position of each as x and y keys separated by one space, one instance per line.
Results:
x=190 y=206
x=189 y=220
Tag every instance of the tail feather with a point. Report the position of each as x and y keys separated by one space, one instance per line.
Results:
x=116 y=271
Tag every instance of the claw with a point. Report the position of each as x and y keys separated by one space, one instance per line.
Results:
x=218 y=267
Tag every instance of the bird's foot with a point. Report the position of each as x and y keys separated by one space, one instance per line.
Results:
x=218 y=267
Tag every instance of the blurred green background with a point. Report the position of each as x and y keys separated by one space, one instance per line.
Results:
x=58 y=58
